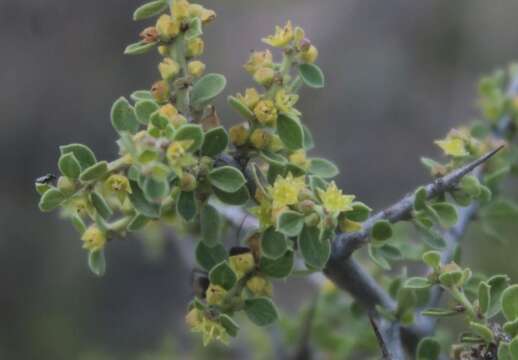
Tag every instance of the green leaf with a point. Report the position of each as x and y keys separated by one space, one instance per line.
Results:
x=378 y=257
x=195 y=29
x=139 y=48
x=94 y=172
x=323 y=168
x=510 y=303
x=141 y=204
x=497 y=283
x=149 y=9
x=504 y=353
x=483 y=331
x=82 y=153
x=190 y=132
x=484 y=296
x=438 y=312
x=210 y=256
x=207 y=88
x=158 y=120
x=260 y=311
x=470 y=185
x=155 y=188
x=290 y=223
x=447 y=214
x=211 y=225
x=275 y=159
x=138 y=222
x=428 y=349
x=308 y=139
x=231 y=327
x=451 y=278
x=417 y=283
x=51 y=199
x=431 y=237
x=123 y=116
x=290 y=131
x=97 y=262
x=315 y=251
x=241 y=108
x=78 y=223
x=141 y=95
x=359 y=213
x=69 y=165
x=513 y=349
x=144 y=109
x=223 y=276
x=420 y=197
x=273 y=244
x=382 y=230
x=312 y=75
x=237 y=198
x=186 y=205
x=215 y=142
x=279 y=268
x=100 y=205
x=227 y=178
x=511 y=327
x=432 y=259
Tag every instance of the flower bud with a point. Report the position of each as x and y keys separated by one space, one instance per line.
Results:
x=93 y=239
x=66 y=185
x=312 y=219
x=187 y=182
x=299 y=158
x=175 y=151
x=160 y=91
x=260 y=138
x=178 y=120
x=239 y=134
x=306 y=207
x=163 y=50
x=168 y=69
x=180 y=9
x=215 y=294
x=168 y=111
x=118 y=183
x=167 y=27
x=276 y=143
x=259 y=286
x=241 y=260
x=250 y=99
x=257 y=60
x=195 y=47
x=196 y=68
x=266 y=112
x=204 y=14
x=193 y=318
x=264 y=76
x=149 y=35
x=310 y=55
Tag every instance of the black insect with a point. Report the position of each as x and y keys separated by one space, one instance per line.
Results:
x=45 y=179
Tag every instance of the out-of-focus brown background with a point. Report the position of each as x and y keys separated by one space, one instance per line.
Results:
x=399 y=75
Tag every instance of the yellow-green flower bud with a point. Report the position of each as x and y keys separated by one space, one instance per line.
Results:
x=299 y=35
x=299 y=158
x=66 y=185
x=306 y=206
x=180 y=9
x=215 y=294
x=168 y=111
x=175 y=151
x=285 y=102
x=118 y=183
x=160 y=91
x=168 y=69
x=259 y=286
x=196 y=68
x=81 y=206
x=187 y=182
x=195 y=47
x=251 y=97
x=149 y=35
x=264 y=76
x=260 y=138
x=163 y=50
x=241 y=260
x=310 y=55
x=276 y=144
x=257 y=60
x=93 y=239
x=167 y=27
x=204 y=14
x=178 y=120
x=239 y=134
x=193 y=318
x=266 y=112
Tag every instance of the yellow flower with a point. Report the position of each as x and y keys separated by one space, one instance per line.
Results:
x=453 y=146
x=285 y=191
x=260 y=286
x=204 y=14
x=310 y=55
x=276 y=144
x=285 y=102
x=210 y=329
x=333 y=199
x=266 y=112
x=282 y=37
x=168 y=69
x=299 y=158
x=215 y=294
x=180 y=9
x=264 y=76
x=263 y=213
x=241 y=260
x=93 y=239
x=251 y=97
x=257 y=60
x=260 y=138
x=195 y=47
x=239 y=134
x=196 y=68
x=118 y=183
x=176 y=150
x=167 y=27
x=81 y=206
x=193 y=318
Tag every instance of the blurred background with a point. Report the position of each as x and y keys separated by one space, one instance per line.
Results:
x=399 y=74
